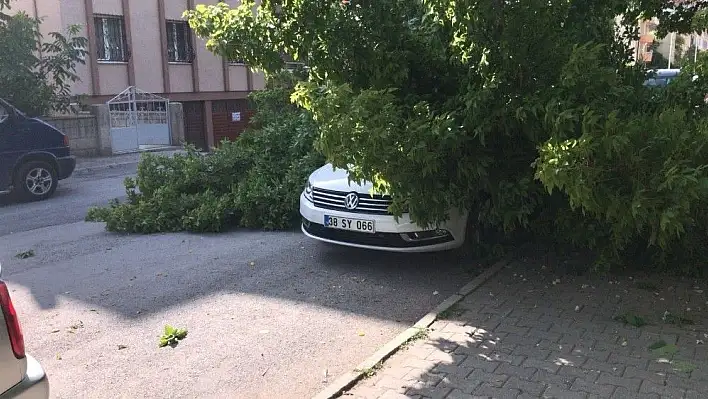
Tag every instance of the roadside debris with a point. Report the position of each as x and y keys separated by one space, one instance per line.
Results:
x=172 y=336
x=26 y=254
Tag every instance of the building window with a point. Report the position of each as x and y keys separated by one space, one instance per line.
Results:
x=110 y=38
x=179 y=42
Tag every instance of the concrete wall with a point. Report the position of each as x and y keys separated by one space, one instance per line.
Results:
x=74 y=13
x=103 y=128
x=180 y=78
x=258 y=81
x=114 y=77
x=175 y=8
x=211 y=67
x=90 y=134
x=238 y=78
x=147 y=53
x=110 y=7
x=82 y=131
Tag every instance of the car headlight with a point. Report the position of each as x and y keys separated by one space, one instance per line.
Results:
x=308 y=191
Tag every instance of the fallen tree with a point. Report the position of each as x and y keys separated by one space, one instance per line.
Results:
x=531 y=114
x=254 y=181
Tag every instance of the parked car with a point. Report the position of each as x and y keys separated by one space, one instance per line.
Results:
x=34 y=155
x=662 y=77
x=21 y=376
x=336 y=211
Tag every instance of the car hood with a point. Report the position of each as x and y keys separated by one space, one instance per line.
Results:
x=330 y=178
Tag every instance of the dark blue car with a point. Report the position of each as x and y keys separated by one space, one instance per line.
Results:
x=34 y=155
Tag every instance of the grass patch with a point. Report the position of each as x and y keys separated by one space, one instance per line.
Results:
x=371 y=371
x=678 y=320
x=647 y=286
x=452 y=311
x=682 y=366
x=631 y=319
x=25 y=255
x=422 y=333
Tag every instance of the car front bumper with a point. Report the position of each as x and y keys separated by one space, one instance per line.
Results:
x=34 y=385
x=391 y=235
x=66 y=166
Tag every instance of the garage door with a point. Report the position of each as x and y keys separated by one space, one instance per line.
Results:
x=230 y=118
x=194 y=132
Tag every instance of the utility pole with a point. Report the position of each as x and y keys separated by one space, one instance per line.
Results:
x=672 y=42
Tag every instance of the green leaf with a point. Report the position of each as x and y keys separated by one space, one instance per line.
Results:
x=169 y=330
x=657 y=345
x=666 y=350
x=180 y=333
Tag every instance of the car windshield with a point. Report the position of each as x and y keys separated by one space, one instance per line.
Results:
x=654 y=82
x=7 y=108
x=3 y=114
x=661 y=78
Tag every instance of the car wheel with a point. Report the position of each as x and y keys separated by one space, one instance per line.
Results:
x=36 y=180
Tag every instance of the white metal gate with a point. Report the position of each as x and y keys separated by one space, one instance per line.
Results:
x=139 y=121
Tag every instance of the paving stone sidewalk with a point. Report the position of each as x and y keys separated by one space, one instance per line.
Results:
x=534 y=332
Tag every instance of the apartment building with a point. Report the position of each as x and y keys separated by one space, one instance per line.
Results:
x=681 y=43
x=147 y=44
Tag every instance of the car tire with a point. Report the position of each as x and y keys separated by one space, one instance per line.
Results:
x=36 y=181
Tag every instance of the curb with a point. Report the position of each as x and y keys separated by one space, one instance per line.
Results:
x=349 y=379
x=89 y=169
x=86 y=170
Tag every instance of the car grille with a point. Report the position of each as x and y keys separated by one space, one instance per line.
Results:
x=372 y=204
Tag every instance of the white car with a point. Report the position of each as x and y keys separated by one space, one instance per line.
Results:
x=21 y=376
x=338 y=212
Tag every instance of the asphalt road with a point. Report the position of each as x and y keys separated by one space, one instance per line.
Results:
x=269 y=314
x=69 y=204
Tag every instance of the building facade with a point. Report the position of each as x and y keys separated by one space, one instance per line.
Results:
x=670 y=46
x=147 y=44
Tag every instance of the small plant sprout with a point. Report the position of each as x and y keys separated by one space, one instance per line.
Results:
x=172 y=336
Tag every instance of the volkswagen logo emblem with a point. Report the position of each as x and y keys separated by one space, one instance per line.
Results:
x=351 y=201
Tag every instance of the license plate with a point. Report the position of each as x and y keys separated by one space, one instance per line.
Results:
x=337 y=222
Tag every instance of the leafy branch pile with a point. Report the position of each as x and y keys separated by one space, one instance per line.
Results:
x=254 y=181
x=530 y=114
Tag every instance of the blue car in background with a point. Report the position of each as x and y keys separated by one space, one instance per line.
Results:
x=662 y=77
x=34 y=155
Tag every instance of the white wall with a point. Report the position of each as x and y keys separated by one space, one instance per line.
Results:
x=146 y=47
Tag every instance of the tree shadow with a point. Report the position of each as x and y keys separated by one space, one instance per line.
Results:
x=525 y=334
x=136 y=275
